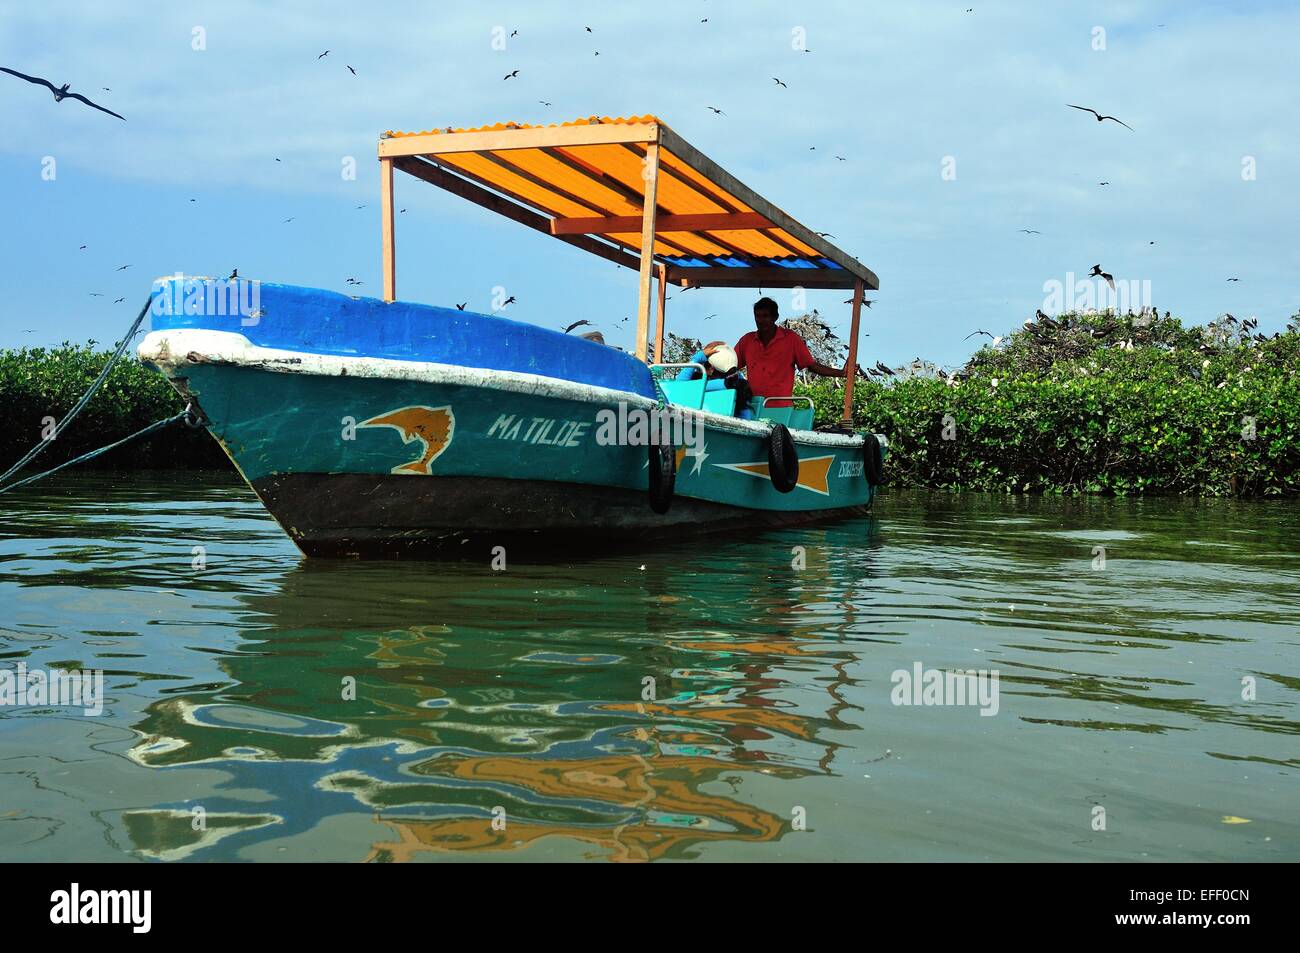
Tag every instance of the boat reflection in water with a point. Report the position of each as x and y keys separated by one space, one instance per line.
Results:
x=648 y=716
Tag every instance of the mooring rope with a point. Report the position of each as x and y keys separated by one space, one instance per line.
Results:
x=187 y=415
x=85 y=399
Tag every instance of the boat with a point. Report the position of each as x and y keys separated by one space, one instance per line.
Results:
x=380 y=427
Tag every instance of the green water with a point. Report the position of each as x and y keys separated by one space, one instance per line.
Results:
x=770 y=734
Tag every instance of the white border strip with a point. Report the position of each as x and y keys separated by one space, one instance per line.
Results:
x=176 y=348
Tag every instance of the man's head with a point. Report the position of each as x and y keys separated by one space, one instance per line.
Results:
x=765 y=314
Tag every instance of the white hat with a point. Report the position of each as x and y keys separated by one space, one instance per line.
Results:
x=723 y=359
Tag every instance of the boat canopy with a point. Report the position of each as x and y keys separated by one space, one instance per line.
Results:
x=629 y=190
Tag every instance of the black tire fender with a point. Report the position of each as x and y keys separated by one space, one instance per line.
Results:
x=782 y=459
x=663 y=477
x=873 y=459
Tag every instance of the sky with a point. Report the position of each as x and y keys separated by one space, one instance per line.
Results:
x=953 y=126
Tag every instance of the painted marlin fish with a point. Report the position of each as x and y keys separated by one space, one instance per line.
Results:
x=432 y=426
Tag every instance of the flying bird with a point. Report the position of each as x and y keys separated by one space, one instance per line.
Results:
x=510 y=75
x=823 y=234
x=1099 y=116
x=544 y=102
x=1234 y=279
x=461 y=307
x=576 y=324
x=716 y=110
x=779 y=83
x=60 y=93
x=510 y=300
x=973 y=333
x=1030 y=231
x=123 y=268
x=1098 y=273
x=323 y=55
x=119 y=301
x=865 y=301
x=233 y=275
x=351 y=70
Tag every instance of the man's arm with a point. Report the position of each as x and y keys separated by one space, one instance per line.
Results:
x=818 y=368
x=803 y=360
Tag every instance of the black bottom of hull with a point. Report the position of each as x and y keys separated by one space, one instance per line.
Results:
x=349 y=515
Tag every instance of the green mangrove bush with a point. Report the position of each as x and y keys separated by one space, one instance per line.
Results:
x=40 y=384
x=1095 y=404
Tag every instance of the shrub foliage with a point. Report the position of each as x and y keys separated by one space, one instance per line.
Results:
x=1096 y=403
x=41 y=383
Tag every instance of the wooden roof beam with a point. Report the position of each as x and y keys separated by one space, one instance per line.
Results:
x=595 y=134
x=663 y=223
x=761 y=277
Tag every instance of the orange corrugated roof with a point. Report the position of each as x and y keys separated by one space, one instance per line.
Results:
x=571 y=179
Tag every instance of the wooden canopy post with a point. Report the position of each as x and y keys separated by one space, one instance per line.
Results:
x=851 y=366
x=659 y=324
x=647 y=247
x=389 y=229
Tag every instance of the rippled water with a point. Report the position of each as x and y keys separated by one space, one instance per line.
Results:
x=699 y=700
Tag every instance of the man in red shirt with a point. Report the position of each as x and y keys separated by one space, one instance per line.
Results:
x=770 y=355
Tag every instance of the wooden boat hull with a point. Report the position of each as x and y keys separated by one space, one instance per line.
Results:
x=375 y=515
x=362 y=455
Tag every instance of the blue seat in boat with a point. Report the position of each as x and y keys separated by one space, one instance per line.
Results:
x=797 y=416
x=691 y=389
x=684 y=393
x=720 y=401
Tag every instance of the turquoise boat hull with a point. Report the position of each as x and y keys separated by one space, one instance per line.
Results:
x=357 y=454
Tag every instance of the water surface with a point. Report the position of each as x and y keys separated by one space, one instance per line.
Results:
x=718 y=699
